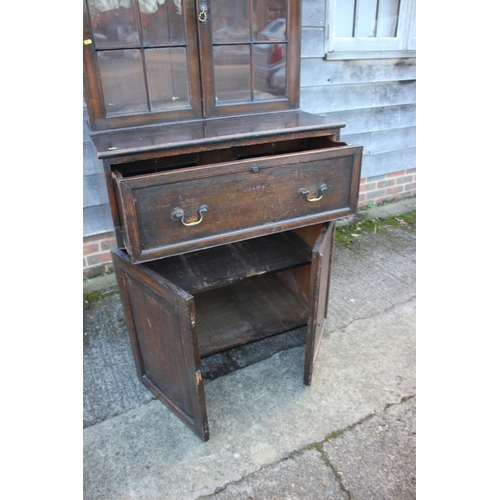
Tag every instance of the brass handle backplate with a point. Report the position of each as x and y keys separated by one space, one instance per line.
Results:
x=321 y=190
x=178 y=213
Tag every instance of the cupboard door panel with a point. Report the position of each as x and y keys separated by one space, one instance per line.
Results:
x=322 y=255
x=161 y=322
x=141 y=63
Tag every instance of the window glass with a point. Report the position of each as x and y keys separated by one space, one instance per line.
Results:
x=162 y=21
x=344 y=18
x=167 y=78
x=269 y=20
x=366 y=18
x=114 y=23
x=232 y=73
x=230 y=21
x=269 y=71
x=387 y=22
x=122 y=79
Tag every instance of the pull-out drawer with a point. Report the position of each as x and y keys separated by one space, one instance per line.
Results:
x=179 y=210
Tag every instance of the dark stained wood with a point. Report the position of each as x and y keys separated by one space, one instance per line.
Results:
x=164 y=340
x=320 y=289
x=224 y=265
x=132 y=144
x=218 y=243
x=246 y=311
x=93 y=87
x=244 y=199
x=200 y=66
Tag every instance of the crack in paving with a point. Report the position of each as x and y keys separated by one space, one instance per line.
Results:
x=317 y=446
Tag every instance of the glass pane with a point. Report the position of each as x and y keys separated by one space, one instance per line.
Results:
x=230 y=21
x=167 y=78
x=269 y=19
x=162 y=21
x=269 y=71
x=365 y=22
x=387 y=17
x=114 y=23
x=122 y=80
x=344 y=18
x=232 y=73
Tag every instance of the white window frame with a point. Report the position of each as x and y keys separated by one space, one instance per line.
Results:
x=405 y=39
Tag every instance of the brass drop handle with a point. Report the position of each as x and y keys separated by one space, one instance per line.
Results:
x=178 y=213
x=321 y=190
x=202 y=17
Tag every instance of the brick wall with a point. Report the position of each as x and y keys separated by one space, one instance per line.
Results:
x=388 y=187
x=96 y=254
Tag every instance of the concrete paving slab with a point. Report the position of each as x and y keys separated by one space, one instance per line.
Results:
x=304 y=476
x=258 y=415
x=377 y=458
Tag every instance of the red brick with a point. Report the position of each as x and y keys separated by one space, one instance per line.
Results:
x=100 y=258
x=108 y=244
x=89 y=248
x=410 y=170
x=385 y=184
x=376 y=178
x=405 y=179
x=376 y=194
x=410 y=186
x=370 y=187
x=395 y=190
x=396 y=174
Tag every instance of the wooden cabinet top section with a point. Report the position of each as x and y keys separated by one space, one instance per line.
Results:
x=147 y=142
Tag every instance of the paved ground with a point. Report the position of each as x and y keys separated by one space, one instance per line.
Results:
x=351 y=435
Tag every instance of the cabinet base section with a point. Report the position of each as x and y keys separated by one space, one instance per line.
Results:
x=246 y=311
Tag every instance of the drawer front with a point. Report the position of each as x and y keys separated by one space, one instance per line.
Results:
x=182 y=210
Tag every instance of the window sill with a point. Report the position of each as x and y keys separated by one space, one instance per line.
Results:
x=375 y=54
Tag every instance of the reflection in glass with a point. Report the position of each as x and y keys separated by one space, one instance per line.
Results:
x=269 y=19
x=387 y=18
x=366 y=20
x=269 y=70
x=122 y=81
x=230 y=21
x=167 y=78
x=162 y=21
x=344 y=18
x=232 y=73
x=114 y=23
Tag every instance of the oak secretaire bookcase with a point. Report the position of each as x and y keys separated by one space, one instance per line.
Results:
x=224 y=195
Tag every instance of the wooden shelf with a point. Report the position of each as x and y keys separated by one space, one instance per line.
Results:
x=220 y=266
x=249 y=310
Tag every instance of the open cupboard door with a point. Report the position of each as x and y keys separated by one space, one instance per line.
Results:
x=322 y=254
x=161 y=323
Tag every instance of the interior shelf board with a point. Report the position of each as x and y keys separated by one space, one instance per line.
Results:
x=246 y=311
x=219 y=266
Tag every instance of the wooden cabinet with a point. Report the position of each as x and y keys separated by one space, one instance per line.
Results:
x=180 y=309
x=151 y=62
x=223 y=194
